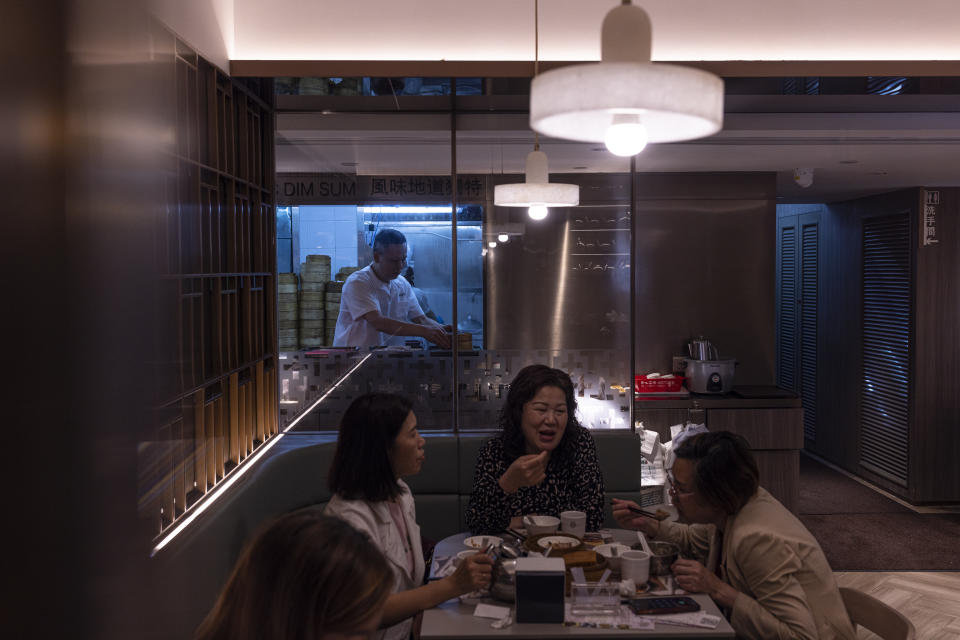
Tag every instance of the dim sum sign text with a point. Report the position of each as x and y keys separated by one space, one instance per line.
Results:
x=294 y=189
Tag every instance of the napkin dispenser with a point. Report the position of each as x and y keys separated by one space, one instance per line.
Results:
x=540 y=589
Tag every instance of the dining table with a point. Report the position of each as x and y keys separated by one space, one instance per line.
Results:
x=455 y=618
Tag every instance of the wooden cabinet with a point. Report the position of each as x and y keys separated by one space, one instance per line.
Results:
x=776 y=438
x=775 y=433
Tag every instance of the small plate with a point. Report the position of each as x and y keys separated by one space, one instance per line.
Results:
x=481 y=542
x=560 y=543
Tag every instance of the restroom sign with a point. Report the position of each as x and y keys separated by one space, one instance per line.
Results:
x=931 y=202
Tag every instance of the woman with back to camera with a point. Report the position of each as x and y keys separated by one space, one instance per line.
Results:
x=771 y=573
x=543 y=462
x=378 y=445
x=304 y=577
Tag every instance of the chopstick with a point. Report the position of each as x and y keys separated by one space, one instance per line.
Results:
x=642 y=512
x=516 y=534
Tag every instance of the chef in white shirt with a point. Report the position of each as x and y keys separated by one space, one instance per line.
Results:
x=378 y=306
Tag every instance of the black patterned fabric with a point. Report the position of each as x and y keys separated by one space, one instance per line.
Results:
x=575 y=487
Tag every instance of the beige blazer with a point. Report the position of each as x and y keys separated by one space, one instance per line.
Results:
x=787 y=589
x=373 y=519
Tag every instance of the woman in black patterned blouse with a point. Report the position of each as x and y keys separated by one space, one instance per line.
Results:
x=542 y=463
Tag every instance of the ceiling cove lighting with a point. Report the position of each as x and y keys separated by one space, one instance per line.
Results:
x=626 y=100
x=536 y=193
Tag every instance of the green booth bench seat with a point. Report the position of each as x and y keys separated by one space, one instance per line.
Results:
x=197 y=563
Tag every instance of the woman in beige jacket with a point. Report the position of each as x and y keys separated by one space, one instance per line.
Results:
x=762 y=565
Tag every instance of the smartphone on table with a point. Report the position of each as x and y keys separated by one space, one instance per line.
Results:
x=653 y=605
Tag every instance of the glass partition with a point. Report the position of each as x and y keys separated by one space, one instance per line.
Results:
x=553 y=291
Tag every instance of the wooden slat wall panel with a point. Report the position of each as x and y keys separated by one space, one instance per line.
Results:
x=887 y=311
x=177 y=435
x=787 y=309
x=167 y=466
x=215 y=253
x=200 y=427
x=251 y=415
x=809 y=314
x=211 y=415
x=233 y=396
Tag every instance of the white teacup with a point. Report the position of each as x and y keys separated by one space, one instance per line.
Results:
x=464 y=554
x=635 y=565
x=612 y=553
x=574 y=523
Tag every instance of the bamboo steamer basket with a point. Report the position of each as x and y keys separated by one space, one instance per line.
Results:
x=287 y=324
x=310 y=343
x=313 y=287
x=315 y=325
x=334 y=286
x=287 y=278
x=315 y=269
x=313 y=273
x=345 y=272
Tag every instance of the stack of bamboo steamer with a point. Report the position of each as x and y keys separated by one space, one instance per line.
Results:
x=331 y=306
x=287 y=337
x=314 y=274
x=345 y=272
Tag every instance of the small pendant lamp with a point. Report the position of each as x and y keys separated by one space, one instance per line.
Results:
x=536 y=193
x=626 y=100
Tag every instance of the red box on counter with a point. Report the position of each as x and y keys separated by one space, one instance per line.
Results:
x=643 y=384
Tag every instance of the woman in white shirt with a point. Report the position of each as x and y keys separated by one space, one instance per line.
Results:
x=378 y=444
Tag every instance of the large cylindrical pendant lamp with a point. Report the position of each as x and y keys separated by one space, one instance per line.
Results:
x=626 y=100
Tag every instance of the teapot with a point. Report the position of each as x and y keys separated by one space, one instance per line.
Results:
x=702 y=349
x=503 y=585
x=503 y=582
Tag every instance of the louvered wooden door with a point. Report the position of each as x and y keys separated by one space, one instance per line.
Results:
x=798 y=292
x=886 y=321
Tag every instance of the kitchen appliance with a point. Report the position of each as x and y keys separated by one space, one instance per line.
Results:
x=702 y=349
x=710 y=376
x=705 y=371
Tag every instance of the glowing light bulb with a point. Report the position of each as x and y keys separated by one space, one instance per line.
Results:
x=492 y=244
x=503 y=237
x=626 y=135
x=537 y=211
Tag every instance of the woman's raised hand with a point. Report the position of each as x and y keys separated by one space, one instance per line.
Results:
x=526 y=471
x=473 y=573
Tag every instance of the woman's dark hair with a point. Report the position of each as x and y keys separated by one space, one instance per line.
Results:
x=303 y=576
x=726 y=472
x=361 y=468
x=524 y=387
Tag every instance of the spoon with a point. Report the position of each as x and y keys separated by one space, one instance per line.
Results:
x=643 y=542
